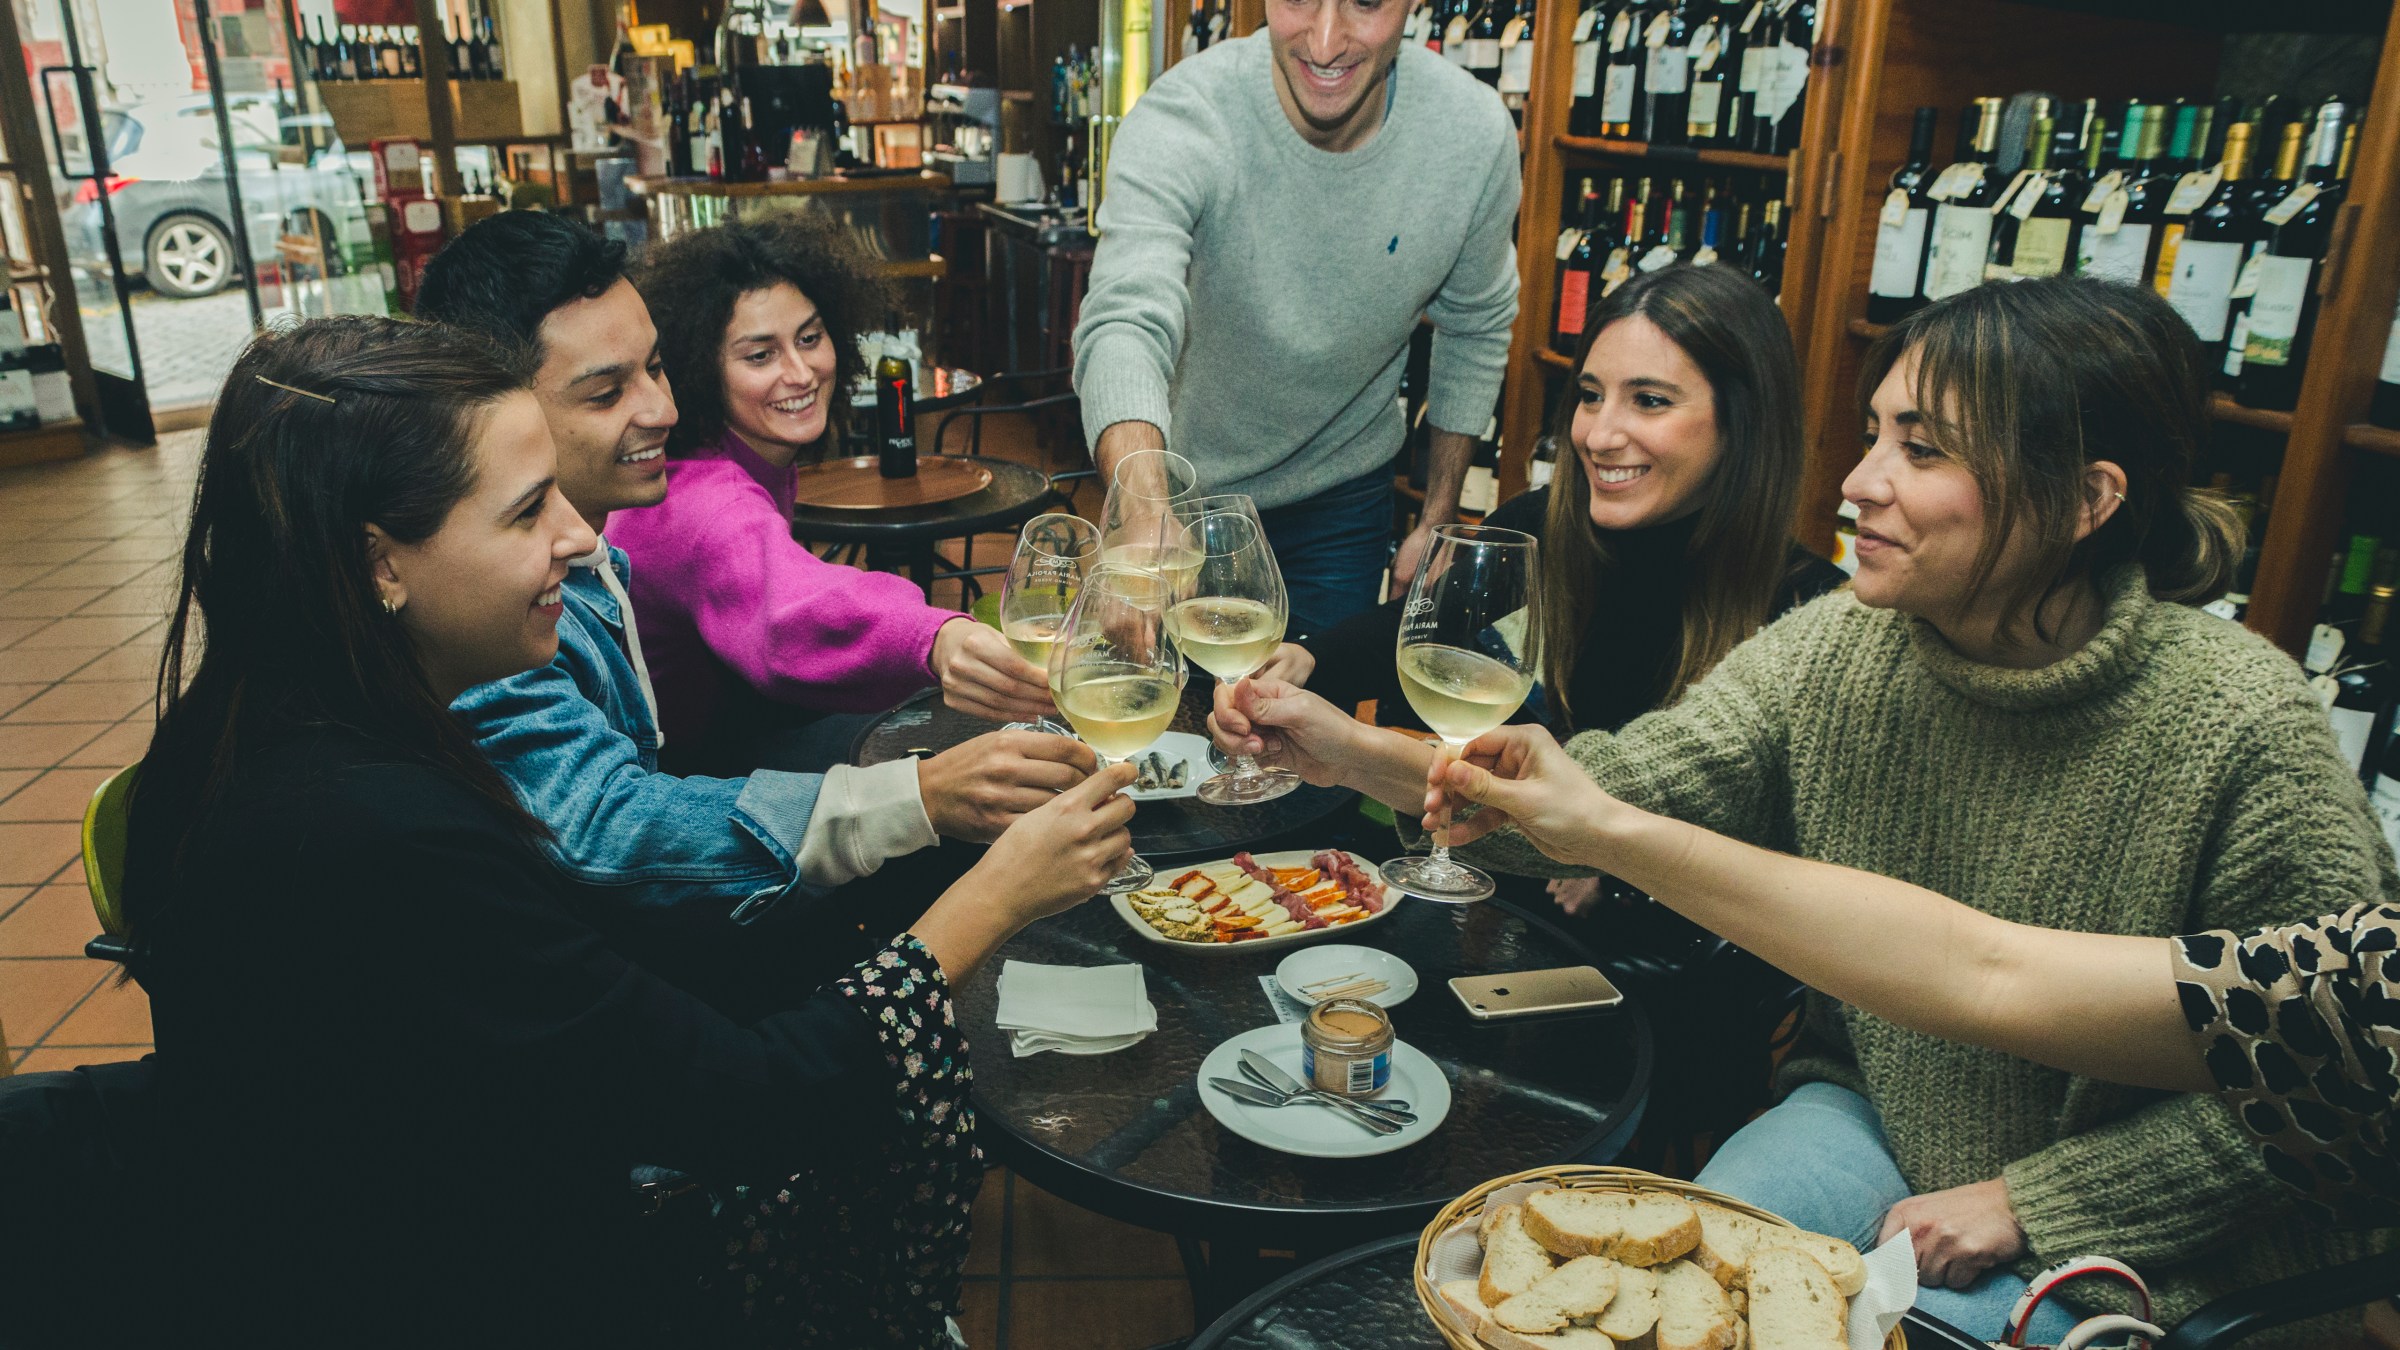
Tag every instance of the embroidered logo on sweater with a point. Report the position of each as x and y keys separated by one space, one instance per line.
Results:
x=1394 y=246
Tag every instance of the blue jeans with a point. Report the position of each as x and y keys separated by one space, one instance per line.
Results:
x=1818 y=1158
x=1333 y=548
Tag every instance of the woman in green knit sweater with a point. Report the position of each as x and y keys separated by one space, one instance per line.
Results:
x=2017 y=706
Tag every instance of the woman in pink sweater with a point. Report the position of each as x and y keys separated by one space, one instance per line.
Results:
x=745 y=630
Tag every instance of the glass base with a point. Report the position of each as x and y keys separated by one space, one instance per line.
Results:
x=1243 y=789
x=1135 y=876
x=1437 y=879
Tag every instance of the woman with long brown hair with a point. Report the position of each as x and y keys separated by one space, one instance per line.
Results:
x=2017 y=704
x=1666 y=532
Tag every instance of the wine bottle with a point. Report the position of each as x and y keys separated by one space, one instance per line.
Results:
x=494 y=58
x=2253 y=208
x=2365 y=685
x=1454 y=33
x=2384 y=411
x=1575 y=274
x=1591 y=35
x=1683 y=235
x=2116 y=243
x=2216 y=239
x=461 y=61
x=1775 y=129
x=2284 y=309
x=1483 y=43
x=2034 y=232
x=1516 y=56
x=1742 y=18
x=2193 y=124
x=479 y=51
x=412 y=57
x=1896 y=286
x=1761 y=68
x=1766 y=251
x=387 y=54
x=1713 y=41
x=895 y=421
x=310 y=58
x=1621 y=82
x=1962 y=216
x=1666 y=111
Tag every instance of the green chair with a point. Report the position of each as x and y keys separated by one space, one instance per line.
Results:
x=104 y=822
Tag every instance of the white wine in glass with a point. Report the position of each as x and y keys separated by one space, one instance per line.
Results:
x=1053 y=552
x=1117 y=678
x=1228 y=617
x=1467 y=656
x=1139 y=527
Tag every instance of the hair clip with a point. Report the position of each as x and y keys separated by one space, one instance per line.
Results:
x=321 y=398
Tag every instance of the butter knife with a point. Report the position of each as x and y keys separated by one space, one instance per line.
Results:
x=1251 y=1092
x=1263 y=1069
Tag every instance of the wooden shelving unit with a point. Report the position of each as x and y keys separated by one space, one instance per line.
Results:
x=37 y=262
x=1886 y=58
x=1603 y=148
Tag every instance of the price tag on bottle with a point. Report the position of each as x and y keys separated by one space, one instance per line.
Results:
x=2194 y=189
x=1704 y=47
x=2030 y=197
x=2246 y=284
x=2008 y=194
x=1618 y=267
x=2112 y=212
x=1953 y=180
x=1750 y=20
x=2224 y=608
x=1585 y=22
x=2282 y=212
x=1895 y=208
x=1568 y=238
x=1455 y=34
x=1704 y=257
x=2098 y=196
x=1658 y=257
x=2324 y=649
x=1656 y=34
x=1620 y=30
x=1513 y=34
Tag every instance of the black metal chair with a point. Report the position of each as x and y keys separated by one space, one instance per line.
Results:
x=2236 y=1317
x=1059 y=406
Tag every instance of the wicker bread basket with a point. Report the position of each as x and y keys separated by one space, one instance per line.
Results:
x=1576 y=1178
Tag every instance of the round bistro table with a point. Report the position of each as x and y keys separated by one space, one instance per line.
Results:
x=902 y=538
x=1125 y=1134
x=1164 y=831
x=1366 y=1299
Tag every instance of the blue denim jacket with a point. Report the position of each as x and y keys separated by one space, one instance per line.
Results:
x=577 y=741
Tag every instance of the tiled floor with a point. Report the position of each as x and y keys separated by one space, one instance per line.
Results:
x=87 y=571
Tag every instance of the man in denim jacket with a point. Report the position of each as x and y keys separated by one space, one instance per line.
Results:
x=579 y=738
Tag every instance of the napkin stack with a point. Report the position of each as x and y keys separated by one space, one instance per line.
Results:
x=1078 y=1010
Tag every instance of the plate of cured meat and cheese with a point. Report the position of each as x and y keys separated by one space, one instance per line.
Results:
x=1261 y=903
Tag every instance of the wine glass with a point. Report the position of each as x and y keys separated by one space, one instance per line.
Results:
x=1053 y=552
x=1470 y=647
x=1227 y=618
x=1138 y=522
x=1117 y=678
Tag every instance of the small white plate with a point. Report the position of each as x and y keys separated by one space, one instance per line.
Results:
x=1172 y=746
x=1294 y=857
x=1321 y=1131
x=1333 y=960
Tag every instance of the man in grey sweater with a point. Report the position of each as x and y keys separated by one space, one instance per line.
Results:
x=1279 y=212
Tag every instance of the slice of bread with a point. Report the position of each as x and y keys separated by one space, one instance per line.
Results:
x=1572 y=1338
x=1467 y=1301
x=1693 y=1312
x=1793 y=1304
x=1639 y=1229
x=1725 y=1242
x=1483 y=1225
x=1840 y=1259
x=1633 y=1313
x=1577 y=1290
x=1512 y=1260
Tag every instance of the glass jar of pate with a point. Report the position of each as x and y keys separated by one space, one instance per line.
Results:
x=1346 y=1047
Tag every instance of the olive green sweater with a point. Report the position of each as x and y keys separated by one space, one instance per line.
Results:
x=2174 y=775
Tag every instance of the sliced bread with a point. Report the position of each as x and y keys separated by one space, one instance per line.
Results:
x=1467 y=1301
x=1571 y=1338
x=1840 y=1259
x=1633 y=1313
x=1693 y=1312
x=1793 y=1304
x=1491 y=1215
x=1639 y=1229
x=1725 y=1241
x=1512 y=1260
x=1577 y=1290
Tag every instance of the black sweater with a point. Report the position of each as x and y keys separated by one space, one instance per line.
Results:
x=408 y=1080
x=1630 y=648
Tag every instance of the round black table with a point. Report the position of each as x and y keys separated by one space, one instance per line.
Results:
x=1164 y=831
x=1125 y=1134
x=1367 y=1298
x=903 y=537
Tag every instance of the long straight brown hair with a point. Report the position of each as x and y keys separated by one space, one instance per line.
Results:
x=1741 y=548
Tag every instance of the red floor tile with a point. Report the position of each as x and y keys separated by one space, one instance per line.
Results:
x=114 y=1014
x=31 y=854
x=120 y=745
x=60 y=794
x=86 y=700
x=55 y=921
x=35 y=994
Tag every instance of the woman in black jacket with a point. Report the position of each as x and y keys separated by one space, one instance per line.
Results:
x=407 y=1076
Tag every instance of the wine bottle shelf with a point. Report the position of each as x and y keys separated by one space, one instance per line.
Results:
x=1687 y=154
x=2373 y=439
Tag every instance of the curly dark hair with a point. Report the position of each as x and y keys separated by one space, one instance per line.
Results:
x=505 y=274
x=691 y=283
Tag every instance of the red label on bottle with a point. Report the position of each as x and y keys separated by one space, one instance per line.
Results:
x=1574 y=297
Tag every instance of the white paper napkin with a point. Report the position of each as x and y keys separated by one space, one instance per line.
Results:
x=1086 y=1009
x=1891 y=1274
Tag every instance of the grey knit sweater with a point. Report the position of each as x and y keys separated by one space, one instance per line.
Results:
x=2173 y=776
x=1253 y=296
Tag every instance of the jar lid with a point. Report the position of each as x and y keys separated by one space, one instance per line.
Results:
x=1349 y=1021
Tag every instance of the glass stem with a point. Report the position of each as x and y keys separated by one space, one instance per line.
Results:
x=1441 y=833
x=1245 y=767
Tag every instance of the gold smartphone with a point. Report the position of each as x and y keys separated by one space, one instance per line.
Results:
x=1523 y=992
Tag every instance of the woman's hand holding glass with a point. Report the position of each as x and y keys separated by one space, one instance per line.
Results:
x=1118 y=678
x=983 y=676
x=1286 y=727
x=1521 y=776
x=1053 y=553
